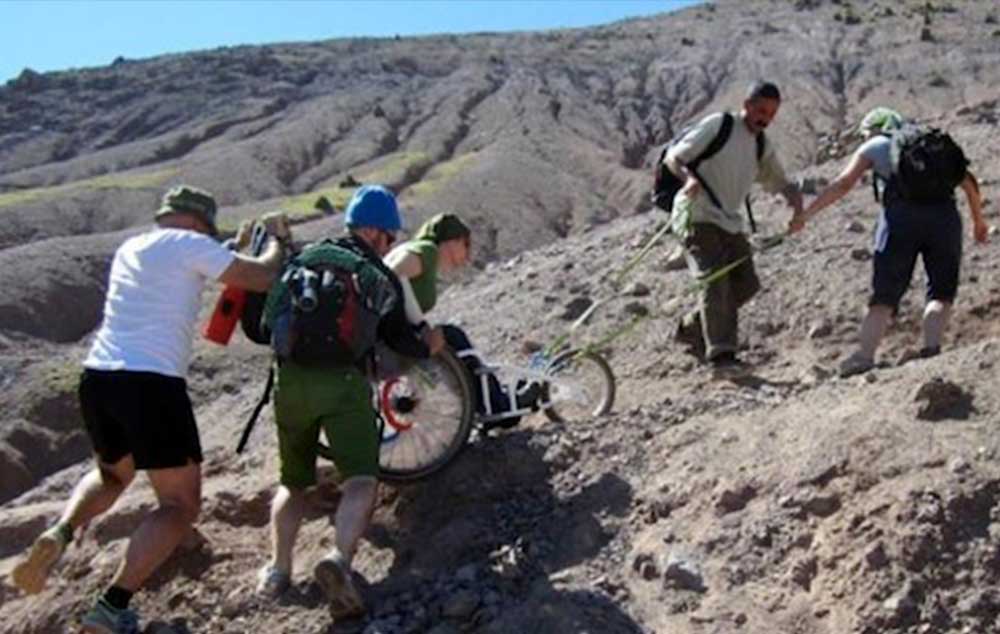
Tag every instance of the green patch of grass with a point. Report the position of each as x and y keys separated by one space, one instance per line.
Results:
x=394 y=168
x=299 y=208
x=59 y=376
x=442 y=173
x=140 y=180
x=303 y=206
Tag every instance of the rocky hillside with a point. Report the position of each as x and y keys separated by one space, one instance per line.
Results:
x=785 y=500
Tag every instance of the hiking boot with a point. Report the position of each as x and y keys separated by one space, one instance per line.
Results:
x=333 y=575
x=31 y=574
x=272 y=583
x=689 y=334
x=726 y=365
x=105 y=619
x=855 y=364
x=727 y=359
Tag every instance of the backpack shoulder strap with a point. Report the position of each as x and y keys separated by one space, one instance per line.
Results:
x=265 y=398
x=876 y=179
x=717 y=143
x=761 y=146
x=713 y=148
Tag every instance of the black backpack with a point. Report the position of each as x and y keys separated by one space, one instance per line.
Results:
x=666 y=184
x=927 y=164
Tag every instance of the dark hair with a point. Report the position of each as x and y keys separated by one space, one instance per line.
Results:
x=763 y=90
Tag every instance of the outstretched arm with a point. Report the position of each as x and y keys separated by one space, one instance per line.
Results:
x=980 y=230
x=836 y=190
x=793 y=196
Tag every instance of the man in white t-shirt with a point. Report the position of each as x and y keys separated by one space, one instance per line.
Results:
x=133 y=394
x=707 y=216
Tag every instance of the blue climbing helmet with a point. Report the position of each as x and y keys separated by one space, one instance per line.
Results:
x=373 y=206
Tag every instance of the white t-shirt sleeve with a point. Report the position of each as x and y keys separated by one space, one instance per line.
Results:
x=877 y=150
x=414 y=314
x=696 y=140
x=771 y=173
x=207 y=256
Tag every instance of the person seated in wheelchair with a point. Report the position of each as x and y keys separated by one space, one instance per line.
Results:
x=442 y=244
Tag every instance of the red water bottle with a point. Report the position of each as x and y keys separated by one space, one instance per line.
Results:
x=226 y=315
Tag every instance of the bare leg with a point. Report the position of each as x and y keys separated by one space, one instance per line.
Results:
x=936 y=315
x=873 y=328
x=179 y=492
x=92 y=495
x=287 y=510
x=333 y=572
x=97 y=491
x=354 y=513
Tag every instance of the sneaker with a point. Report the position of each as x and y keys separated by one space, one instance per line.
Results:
x=855 y=364
x=923 y=353
x=527 y=396
x=104 y=619
x=272 y=583
x=334 y=577
x=31 y=574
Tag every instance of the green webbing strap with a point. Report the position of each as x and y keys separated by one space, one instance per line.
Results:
x=761 y=245
x=264 y=400
x=695 y=286
x=639 y=257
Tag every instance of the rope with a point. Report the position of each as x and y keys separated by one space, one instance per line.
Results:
x=760 y=245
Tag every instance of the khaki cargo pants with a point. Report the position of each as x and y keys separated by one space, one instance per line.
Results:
x=714 y=327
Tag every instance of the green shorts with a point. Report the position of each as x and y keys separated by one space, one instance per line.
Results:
x=336 y=400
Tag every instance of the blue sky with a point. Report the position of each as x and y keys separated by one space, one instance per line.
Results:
x=59 y=34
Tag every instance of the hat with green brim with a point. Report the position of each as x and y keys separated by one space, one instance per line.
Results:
x=441 y=228
x=880 y=119
x=191 y=200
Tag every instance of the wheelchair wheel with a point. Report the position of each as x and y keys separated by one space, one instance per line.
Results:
x=581 y=385
x=427 y=412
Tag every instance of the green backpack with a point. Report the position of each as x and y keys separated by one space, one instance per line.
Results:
x=325 y=307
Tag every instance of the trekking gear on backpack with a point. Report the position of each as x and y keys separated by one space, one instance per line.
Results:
x=666 y=184
x=325 y=307
x=228 y=309
x=927 y=164
x=232 y=302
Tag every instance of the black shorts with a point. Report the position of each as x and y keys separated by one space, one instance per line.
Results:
x=142 y=414
x=906 y=231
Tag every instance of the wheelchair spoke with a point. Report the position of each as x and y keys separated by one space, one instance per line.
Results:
x=437 y=423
